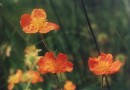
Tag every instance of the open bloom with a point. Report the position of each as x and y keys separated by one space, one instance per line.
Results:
x=51 y=64
x=104 y=64
x=69 y=86
x=37 y=22
x=14 y=79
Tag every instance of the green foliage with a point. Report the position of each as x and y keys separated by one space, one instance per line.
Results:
x=74 y=38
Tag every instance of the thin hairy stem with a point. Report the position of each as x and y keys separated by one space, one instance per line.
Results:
x=28 y=85
x=60 y=85
x=94 y=38
x=102 y=82
x=43 y=40
x=107 y=82
x=68 y=42
x=90 y=27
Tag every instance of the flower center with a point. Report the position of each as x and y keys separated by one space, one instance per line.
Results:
x=103 y=67
x=50 y=66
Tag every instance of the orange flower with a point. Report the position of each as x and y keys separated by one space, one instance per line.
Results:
x=69 y=86
x=50 y=64
x=33 y=76
x=14 y=79
x=104 y=64
x=36 y=22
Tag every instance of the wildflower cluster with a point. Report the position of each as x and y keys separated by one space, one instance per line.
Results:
x=50 y=62
x=28 y=76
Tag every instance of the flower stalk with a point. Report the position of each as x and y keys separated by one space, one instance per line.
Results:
x=42 y=38
x=43 y=41
x=90 y=27
x=107 y=82
x=95 y=41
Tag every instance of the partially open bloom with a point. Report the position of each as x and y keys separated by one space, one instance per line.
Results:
x=122 y=58
x=32 y=76
x=69 y=86
x=31 y=56
x=37 y=22
x=103 y=38
x=51 y=64
x=14 y=79
x=104 y=65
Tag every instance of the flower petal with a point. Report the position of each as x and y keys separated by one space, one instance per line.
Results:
x=35 y=77
x=25 y=20
x=69 y=86
x=11 y=86
x=50 y=55
x=62 y=64
x=106 y=57
x=61 y=57
x=48 y=26
x=38 y=13
x=28 y=24
x=14 y=79
x=115 y=67
x=92 y=62
x=30 y=29
x=97 y=72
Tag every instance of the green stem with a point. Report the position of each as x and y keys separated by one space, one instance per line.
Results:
x=90 y=27
x=94 y=38
x=43 y=40
x=28 y=85
x=107 y=82
x=60 y=85
x=102 y=82
x=68 y=42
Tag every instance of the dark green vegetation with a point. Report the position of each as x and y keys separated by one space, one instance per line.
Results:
x=110 y=20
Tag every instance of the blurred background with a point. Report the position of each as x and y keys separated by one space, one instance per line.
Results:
x=110 y=20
